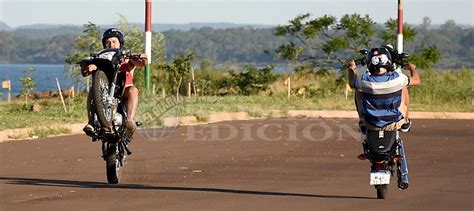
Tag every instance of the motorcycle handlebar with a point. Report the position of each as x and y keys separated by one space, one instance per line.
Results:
x=134 y=56
x=399 y=59
x=361 y=61
x=127 y=55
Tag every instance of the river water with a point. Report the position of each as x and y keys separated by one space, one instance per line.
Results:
x=44 y=77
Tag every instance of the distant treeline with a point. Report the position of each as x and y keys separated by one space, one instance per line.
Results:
x=231 y=45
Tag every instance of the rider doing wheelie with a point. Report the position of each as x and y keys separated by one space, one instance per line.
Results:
x=113 y=38
x=381 y=98
x=381 y=94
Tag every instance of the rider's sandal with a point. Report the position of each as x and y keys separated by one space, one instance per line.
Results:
x=130 y=128
x=406 y=127
x=89 y=130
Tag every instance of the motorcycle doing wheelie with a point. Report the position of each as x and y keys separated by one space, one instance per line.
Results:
x=384 y=149
x=109 y=109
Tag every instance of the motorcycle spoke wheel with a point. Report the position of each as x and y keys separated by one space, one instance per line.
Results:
x=100 y=92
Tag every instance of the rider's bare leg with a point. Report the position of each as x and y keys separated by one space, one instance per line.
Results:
x=131 y=96
x=405 y=124
x=90 y=113
x=358 y=103
x=405 y=101
x=89 y=128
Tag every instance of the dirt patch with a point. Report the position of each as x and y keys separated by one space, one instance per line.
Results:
x=25 y=133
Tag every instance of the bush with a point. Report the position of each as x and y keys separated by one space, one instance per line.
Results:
x=252 y=80
x=449 y=90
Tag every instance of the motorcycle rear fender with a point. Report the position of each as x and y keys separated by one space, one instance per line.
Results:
x=380 y=142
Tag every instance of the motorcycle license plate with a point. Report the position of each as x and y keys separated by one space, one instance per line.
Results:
x=379 y=177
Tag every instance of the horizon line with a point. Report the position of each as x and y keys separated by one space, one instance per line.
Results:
x=188 y=23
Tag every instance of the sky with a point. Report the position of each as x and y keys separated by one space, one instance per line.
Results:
x=272 y=12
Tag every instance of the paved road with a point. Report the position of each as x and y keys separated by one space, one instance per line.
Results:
x=275 y=164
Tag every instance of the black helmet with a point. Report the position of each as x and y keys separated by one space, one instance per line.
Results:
x=112 y=32
x=379 y=57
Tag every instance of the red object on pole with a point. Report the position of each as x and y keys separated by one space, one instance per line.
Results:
x=400 y=17
x=147 y=15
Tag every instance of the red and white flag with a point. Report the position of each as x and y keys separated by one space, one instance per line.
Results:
x=6 y=84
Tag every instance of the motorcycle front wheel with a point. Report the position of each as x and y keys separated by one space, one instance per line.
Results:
x=112 y=165
x=100 y=93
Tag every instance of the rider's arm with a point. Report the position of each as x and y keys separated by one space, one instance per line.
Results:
x=414 y=76
x=131 y=63
x=351 y=66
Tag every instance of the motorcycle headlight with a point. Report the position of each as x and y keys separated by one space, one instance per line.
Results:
x=380 y=60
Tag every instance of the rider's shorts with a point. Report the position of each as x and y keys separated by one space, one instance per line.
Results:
x=128 y=79
x=128 y=75
x=395 y=125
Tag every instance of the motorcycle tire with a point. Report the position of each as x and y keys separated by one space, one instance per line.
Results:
x=112 y=165
x=382 y=191
x=100 y=91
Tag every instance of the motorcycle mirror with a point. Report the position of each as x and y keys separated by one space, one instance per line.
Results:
x=125 y=51
x=389 y=47
x=364 y=51
x=405 y=54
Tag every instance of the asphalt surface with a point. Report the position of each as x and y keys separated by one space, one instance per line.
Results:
x=274 y=164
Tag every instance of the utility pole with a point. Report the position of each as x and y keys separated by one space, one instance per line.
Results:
x=400 y=27
x=148 y=43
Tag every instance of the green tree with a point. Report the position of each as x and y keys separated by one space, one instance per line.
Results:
x=27 y=83
x=7 y=47
x=308 y=37
x=91 y=42
x=177 y=71
x=339 y=39
x=135 y=41
x=425 y=23
x=207 y=64
x=252 y=80
x=389 y=34
x=427 y=58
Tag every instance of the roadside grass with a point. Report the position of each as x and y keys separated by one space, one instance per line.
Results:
x=444 y=91
x=440 y=91
x=152 y=109
x=17 y=115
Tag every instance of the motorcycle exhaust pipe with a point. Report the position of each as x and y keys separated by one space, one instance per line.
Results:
x=402 y=168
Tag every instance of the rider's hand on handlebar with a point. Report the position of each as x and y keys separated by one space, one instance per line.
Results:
x=87 y=70
x=139 y=62
x=351 y=65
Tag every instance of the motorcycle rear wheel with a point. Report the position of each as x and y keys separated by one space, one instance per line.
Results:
x=382 y=191
x=100 y=92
